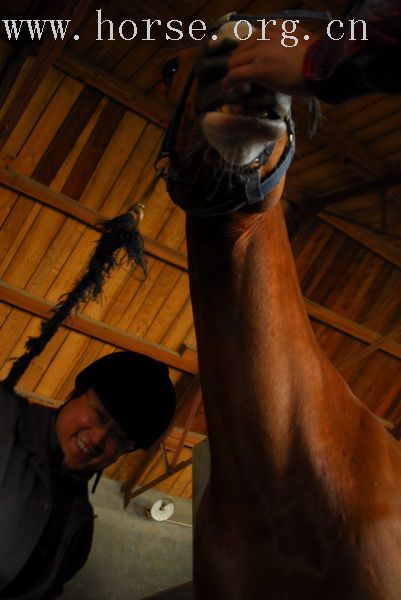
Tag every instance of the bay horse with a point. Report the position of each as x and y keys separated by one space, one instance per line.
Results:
x=304 y=497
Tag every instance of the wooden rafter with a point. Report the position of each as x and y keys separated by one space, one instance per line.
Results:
x=380 y=185
x=358 y=233
x=365 y=237
x=343 y=366
x=353 y=329
x=95 y=329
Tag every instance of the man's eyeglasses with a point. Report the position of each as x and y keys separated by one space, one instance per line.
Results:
x=102 y=420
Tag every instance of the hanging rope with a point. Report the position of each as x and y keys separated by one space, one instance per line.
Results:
x=116 y=234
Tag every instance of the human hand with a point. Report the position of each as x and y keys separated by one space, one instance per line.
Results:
x=269 y=63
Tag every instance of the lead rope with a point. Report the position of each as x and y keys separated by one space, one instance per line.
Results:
x=119 y=233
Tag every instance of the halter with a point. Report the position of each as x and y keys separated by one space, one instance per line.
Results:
x=243 y=188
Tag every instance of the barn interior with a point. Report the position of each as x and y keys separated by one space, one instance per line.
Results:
x=81 y=121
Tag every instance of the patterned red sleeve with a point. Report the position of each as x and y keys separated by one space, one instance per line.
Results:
x=342 y=68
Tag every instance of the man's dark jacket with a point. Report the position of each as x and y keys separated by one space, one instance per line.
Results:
x=26 y=501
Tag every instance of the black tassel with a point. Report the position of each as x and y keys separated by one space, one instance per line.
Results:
x=118 y=233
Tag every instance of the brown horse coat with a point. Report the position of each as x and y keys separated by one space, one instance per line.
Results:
x=304 y=498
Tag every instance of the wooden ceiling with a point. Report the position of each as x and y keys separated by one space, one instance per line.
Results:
x=80 y=124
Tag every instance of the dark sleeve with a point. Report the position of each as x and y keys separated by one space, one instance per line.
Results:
x=11 y=406
x=339 y=70
x=74 y=559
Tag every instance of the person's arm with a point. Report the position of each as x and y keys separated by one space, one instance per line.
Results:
x=75 y=558
x=341 y=70
x=333 y=70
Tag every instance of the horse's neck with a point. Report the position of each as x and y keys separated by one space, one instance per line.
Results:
x=263 y=376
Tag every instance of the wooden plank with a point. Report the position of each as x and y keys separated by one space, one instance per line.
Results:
x=33 y=112
x=364 y=236
x=88 y=216
x=128 y=189
x=167 y=315
x=154 y=111
x=349 y=327
x=11 y=71
x=47 y=125
x=92 y=153
x=17 y=228
x=37 y=398
x=356 y=232
x=71 y=128
x=101 y=331
x=371 y=164
x=344 y=365
x=33 y=247
x=61 y=177
x=49 y=50
x=380 y=185
x=195 y=403
x=114 y=158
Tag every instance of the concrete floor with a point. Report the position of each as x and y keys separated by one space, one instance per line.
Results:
x=134 y=557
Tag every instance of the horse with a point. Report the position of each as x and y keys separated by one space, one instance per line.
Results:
x=304 y=497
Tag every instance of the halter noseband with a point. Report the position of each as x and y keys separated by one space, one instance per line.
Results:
x=243 y=188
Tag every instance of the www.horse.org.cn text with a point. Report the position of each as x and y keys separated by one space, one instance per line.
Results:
x=177 y=29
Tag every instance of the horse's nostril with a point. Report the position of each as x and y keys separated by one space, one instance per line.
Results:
x=243 y=88
x=169 y=70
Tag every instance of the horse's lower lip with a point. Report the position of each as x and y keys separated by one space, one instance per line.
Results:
x=237 y=127
x=247 y=120
x=248 y=111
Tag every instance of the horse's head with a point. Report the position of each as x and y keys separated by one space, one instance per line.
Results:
x=222 y=145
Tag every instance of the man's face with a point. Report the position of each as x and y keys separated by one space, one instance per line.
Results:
x=88 y=436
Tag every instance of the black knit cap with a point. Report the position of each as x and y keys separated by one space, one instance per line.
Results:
x=136 y=390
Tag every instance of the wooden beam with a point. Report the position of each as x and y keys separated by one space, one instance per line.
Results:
x=349 y=362
x=38 y=398
x=363 y=236
x=48 y=52
x=95 y=329
x=172 y=471
x=349 y=327
x=153 y=110
x=360 y=234
x=195 y=404
x=71 y=208
x=380 y=185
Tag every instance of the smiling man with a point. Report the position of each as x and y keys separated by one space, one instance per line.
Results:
x=121 y=402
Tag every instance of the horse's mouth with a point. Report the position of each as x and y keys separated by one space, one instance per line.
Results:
x=240 y=122
x=238 y=110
